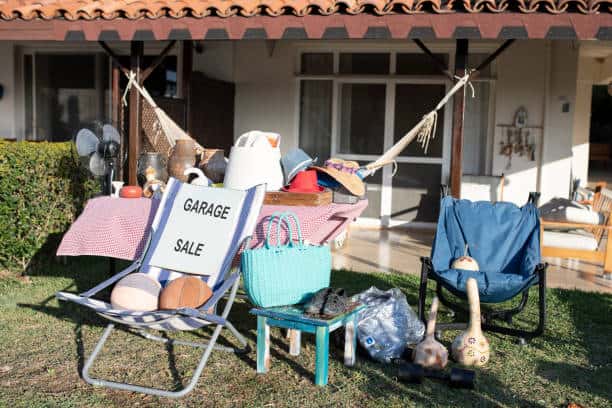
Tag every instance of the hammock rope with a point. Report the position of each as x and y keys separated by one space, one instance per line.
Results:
x=423 y=132
x=168 y=129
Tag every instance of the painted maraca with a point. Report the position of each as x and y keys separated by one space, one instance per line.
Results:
x=431 y=353
x=471 y=348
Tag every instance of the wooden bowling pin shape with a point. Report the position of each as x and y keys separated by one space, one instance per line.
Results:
x=431 y=353
x=471 y=348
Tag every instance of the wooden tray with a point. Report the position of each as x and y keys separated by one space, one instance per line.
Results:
x=307 y=199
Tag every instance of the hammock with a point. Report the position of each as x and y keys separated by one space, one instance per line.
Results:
x=164 y=132
x=423 y=131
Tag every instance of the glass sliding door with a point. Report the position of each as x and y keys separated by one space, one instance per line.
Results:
x=316 y=117
x=362 y=119
x=361 y=131
x=357 y=105
x=416 y=184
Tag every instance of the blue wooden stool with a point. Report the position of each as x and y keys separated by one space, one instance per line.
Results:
x=293 y=318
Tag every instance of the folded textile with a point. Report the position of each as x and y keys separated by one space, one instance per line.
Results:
x=565 y=210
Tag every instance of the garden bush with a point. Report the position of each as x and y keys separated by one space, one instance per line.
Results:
x=43 y=188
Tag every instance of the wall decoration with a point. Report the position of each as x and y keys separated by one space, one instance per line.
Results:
x=518 y=139
x=516 y=150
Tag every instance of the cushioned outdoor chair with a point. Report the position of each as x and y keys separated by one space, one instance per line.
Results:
x=223 y=235
x=505 y=241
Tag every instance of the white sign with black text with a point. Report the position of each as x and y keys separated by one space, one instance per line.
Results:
x=199 y=229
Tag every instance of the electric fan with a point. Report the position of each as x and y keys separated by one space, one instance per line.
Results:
x=100 y=152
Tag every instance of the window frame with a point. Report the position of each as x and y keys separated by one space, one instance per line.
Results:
x=391 y=80
x=121 y=49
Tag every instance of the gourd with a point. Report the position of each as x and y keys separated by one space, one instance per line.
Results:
x=466 y=262
x=471 y=348
x=431 y=353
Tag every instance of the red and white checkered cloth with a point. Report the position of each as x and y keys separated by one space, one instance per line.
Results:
x=118 y=227
x=113 y=227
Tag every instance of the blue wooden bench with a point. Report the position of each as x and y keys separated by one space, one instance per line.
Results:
x=293 y=319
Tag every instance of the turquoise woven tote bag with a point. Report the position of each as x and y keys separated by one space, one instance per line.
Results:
x=285 y=274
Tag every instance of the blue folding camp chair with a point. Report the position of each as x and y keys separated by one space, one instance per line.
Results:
x=505 y=241
x=225 y=232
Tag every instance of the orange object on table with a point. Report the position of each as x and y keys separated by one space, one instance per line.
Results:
x=273 y=140
x=130 y=192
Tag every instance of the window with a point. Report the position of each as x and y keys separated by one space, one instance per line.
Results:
x=318 y=63
x=66 y=92
x=315 y=118
x=365 y=63
x=416 y=192
x=362 y=118
x=69 y=92
x=365 y=102
x=419 y=64
x=412 y=101
x=476 y=129
x=162 y=82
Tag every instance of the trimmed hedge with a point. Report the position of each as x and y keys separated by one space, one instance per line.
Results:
x=43 y=188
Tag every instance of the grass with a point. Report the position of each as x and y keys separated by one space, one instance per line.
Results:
x=44 y=344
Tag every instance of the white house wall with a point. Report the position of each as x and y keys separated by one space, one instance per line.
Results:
x=519 y=84
x=216 y=60
x=556 y=176
x=582 y=121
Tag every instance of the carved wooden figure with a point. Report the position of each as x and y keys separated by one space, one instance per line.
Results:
x=471 y=348
x=430 y=352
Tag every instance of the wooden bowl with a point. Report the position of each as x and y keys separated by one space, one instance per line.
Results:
x=130 y=192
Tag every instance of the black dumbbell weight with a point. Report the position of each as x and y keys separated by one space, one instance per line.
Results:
x=458 y=377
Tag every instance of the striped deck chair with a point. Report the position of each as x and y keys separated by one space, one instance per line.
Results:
x=183 y=214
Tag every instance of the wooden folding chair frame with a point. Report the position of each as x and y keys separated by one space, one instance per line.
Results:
x=602 y=203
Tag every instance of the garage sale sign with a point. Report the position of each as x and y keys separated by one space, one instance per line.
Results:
x=194 y=227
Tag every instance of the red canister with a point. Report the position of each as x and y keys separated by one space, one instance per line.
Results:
x=130 y=192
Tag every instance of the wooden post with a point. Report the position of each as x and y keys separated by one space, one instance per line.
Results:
x=456 y=170
x=116 y=119
x=187 y=67
x=136 y=54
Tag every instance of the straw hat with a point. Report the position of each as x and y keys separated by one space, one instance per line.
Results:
x=345 y=173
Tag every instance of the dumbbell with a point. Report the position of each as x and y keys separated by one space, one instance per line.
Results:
x=458 y=377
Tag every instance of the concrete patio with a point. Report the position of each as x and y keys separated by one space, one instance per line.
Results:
x=399 y=250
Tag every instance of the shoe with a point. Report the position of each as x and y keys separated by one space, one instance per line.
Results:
x=335 y=303
x=317 y=301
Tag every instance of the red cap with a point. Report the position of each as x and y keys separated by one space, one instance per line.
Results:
x=304 y=182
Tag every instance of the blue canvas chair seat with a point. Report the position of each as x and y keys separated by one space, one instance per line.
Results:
x=503 y=238
x=225 y=236
x=493 y=287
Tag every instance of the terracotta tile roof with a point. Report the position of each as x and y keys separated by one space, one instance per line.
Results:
x=152 y=9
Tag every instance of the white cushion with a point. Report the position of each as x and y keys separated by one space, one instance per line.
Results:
x=564 y=210
x=580 y=240
x=481 y=188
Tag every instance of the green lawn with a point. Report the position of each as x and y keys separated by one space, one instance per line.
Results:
x=44 y=344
